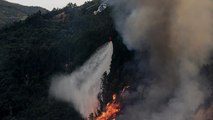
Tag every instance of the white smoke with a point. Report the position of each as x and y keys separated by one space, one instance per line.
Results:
x=82 y=86
x=178 y=36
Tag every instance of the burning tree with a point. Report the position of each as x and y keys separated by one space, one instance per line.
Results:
x=111 y=110
x=108 y=110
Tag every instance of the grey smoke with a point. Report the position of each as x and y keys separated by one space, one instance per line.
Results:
x=82 y=86
x=178 y=35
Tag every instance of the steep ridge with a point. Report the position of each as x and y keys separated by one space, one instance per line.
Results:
x=11 y=12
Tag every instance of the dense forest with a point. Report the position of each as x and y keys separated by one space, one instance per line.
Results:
x=45 y=44
x=11 y=12
x=60 y=41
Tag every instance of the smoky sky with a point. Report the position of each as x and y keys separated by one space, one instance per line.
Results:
x=178 y=36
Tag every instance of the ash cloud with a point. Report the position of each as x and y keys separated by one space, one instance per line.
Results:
x=178 y=36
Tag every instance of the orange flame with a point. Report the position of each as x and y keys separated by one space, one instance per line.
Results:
x=112 y=109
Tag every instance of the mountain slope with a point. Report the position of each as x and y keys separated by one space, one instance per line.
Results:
x=43 y=45
x=10 y=12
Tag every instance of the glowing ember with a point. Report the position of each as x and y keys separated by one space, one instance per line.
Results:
x=123 y=91
x=112 y=109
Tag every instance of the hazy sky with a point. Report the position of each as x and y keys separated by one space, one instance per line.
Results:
x=48 y=4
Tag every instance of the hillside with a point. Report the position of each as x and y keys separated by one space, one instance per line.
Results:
x=43 y=45
x=34 y=50
x=11 y=12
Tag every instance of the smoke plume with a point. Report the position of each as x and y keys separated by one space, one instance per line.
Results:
x=82 y=86
x=178 y=36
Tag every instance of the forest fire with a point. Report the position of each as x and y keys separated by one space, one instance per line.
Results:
x=111 y=111
x=113 y=107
